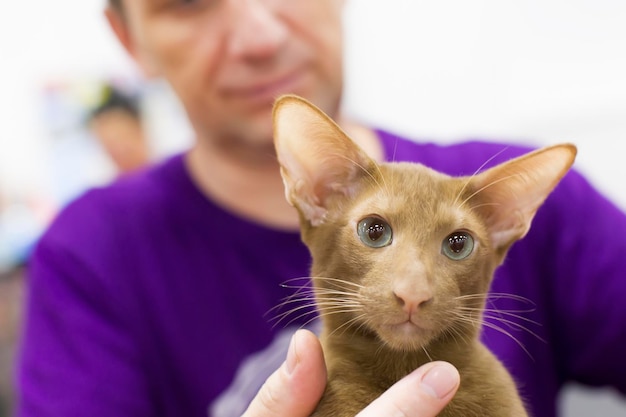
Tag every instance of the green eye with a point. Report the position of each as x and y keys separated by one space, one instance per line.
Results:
x=374 y=232
x=458 y=245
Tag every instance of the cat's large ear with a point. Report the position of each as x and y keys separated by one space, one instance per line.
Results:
x=319 y=162
x=508 y=195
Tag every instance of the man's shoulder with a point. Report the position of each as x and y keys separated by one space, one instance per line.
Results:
x=471 y=156
x=462 y=157
x=125 y=203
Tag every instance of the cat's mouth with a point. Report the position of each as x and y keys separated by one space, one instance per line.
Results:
x=405 y=335
x=407 y=329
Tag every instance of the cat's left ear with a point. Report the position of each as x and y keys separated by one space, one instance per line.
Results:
x=319 y=163
x=508 y=195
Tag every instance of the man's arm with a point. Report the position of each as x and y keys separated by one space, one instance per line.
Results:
x=77 y=355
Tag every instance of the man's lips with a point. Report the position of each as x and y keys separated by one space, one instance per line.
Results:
x=268 y=89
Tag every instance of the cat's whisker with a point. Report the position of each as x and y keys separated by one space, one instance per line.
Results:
x=362 y=325
x=331 y=306
x=299 y=293
x=510 y=313
x=487 y=186
x=344 y=311
x=381 y=348
x=485 y=205
x=339 y=310
x=518 y=314
x=311 y=307
x=497 y=313
x=308 y=279
x=480 y=168
x=329 y=301
x=309 y=321
x=296 y=318
x=497 y=316
x=504 y=332
x=508 y=317
x=316 y=294
x=455 y=332
x=386 y=189
x=345 y=326
x=513 y=325
x=310 y=301
x=365 y=170
x=339 y=291
x=500 y=295
x=304 y=284
x=338 y=280
x=306 y=294
x=427 y=354
x=339 y=296
x=493 y=326
x=339 y=283
x=278 y=318
x=302 y=278
x=302 y=291
x=335 y=309
x=395 y=149
x=490 y=297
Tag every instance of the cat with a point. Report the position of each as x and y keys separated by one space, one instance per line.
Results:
x=403 y=257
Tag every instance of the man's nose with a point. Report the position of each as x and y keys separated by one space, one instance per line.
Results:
x=257 y=31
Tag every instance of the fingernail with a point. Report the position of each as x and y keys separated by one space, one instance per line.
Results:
x=440 y=380
x=292 y=356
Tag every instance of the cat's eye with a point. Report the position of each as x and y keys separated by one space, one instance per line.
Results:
x=458 y=245
x=374 y=232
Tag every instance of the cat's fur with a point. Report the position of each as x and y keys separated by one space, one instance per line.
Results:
x=366 y=296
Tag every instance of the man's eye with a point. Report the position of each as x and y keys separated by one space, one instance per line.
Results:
x=187 y=4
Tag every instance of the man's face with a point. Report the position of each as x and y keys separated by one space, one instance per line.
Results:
x=121 y=136
x=229 y=59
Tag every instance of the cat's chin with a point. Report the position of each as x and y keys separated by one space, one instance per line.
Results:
x=405 y=336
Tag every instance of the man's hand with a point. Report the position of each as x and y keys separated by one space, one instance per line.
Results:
x=295 y=388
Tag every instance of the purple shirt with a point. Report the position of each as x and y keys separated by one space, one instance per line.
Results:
x=147 y=299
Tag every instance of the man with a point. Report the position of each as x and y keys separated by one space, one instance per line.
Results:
x=116 y=123
x=148 y=297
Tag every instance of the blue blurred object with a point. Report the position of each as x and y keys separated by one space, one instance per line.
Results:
x=19 y=229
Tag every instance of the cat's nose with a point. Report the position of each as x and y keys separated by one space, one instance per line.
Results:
x=412 y=299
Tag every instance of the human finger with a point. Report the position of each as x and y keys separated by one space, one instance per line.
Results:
x=296 y=387
x=422 y=393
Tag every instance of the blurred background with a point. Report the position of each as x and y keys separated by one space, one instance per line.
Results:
x=533 y=72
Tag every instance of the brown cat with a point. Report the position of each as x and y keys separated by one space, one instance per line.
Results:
x=403 y=258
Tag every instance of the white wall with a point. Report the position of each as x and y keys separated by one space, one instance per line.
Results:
x=42 y=41
x=541 y=71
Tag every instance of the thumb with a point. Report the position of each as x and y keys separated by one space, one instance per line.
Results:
x=422 y=393
x=296 y=387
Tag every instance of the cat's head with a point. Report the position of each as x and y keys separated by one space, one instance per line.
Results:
x=400 y=251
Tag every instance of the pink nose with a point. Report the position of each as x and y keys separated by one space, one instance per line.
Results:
x=412 y=299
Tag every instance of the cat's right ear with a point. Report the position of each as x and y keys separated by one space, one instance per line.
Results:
x=319 y=163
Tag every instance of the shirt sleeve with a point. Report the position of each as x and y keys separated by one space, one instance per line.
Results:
x=78 y=355
x=589 y=289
